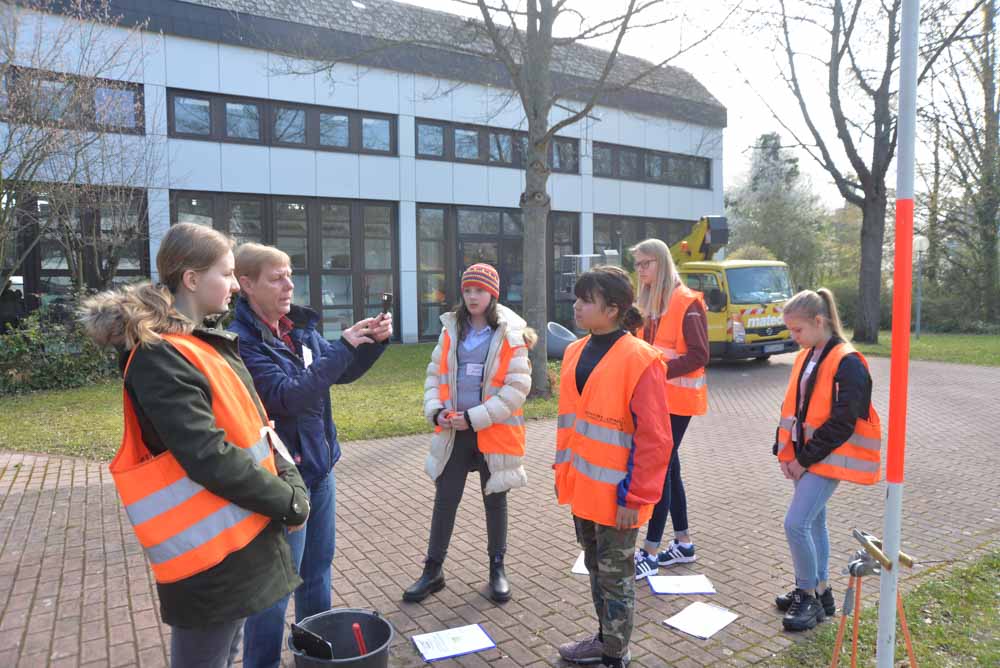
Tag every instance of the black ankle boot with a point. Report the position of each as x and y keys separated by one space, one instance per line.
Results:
x=499 y=587
x=431 y=581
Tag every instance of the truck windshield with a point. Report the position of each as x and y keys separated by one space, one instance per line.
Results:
x=758 y=285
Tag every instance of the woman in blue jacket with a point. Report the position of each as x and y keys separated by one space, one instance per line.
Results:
x=293 y=367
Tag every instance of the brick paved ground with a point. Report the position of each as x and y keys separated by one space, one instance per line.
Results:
x=75 y=590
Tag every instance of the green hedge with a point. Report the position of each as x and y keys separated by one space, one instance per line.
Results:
x=940 y=311
x=49 y=350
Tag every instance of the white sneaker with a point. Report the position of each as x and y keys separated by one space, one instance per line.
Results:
x=645 y=564
x=676 y=554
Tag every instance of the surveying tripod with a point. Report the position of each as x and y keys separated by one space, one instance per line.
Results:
x=869 y=560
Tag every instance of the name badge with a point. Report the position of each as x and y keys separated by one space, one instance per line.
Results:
x=307 y=356
x=474 y=370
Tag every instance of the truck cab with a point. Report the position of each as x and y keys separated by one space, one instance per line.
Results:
x=744 y=297
x=744 y=300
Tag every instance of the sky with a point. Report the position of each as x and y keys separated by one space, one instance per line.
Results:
x=737 y=64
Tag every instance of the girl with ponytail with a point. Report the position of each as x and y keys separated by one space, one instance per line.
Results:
x=613 y=446
x=828 y=432
x=203 y=477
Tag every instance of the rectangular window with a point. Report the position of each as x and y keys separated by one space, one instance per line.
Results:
x=55 y=99
x=565 y=156
x=194 y=209
x=376 y=134
x=289 y=125
x=603 y=161
x=243 y=121
x=291 y=231
x=654 y=167
x=192 y=115
x=245 y=221
x=501 y=148
x=335 y=130
x=116 y=107
x=430 y=140
x=478 y=221
x=628 y=163
x=335 y=221
x=466 y=144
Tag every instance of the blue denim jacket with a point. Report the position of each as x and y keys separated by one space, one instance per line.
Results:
x=295 y=397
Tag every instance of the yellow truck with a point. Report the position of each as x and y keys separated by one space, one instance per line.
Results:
x=744 y=297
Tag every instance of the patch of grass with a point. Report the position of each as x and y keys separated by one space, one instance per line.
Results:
x=953 y=619
x=87 y=422
x=980 y=349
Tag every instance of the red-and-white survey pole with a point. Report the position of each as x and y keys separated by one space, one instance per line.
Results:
x=901 y=286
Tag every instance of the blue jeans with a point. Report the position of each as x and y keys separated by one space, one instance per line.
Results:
x=312 y=550
x=673 y=500
x=805 y=529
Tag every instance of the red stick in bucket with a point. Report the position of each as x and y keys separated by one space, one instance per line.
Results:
x=359 y=638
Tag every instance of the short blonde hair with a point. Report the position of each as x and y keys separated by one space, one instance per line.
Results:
x=251 y=259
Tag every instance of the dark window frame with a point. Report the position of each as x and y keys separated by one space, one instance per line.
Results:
x=13 y=72
x=220 y=205
x=453 y=260
x=90 y=215
x=268 y=113
x=644 y=154
x=518 y=159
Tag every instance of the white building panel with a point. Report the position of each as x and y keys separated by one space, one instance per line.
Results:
x=155 y=109
x=434 y=181
x=378 y=90
x=192 y=63
x=158 y=206
x=290 y=79
x=194 y=165
x=407 y=179
x=407 y=236
x=566 y=192
x=471 y=184
x=337 y=175
x=406 y=94
x=430 y=98
x=506 y=186
x=293 y=171
x=633 y=199
x=505 y=109
x=338 y=87
x=407 y=135
x=379 y=177
x=245 y=169
x=658 y=204
x=243 y=71
x=154 y=63
x=657 y=134
x=631 y=129
x=469 y=104
x=605 y=124
x=607 y=195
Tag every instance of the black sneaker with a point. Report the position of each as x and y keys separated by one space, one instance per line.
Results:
x=784 y=601
x=804 y=613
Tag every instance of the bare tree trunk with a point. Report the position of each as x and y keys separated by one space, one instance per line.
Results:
x=870 y=278
x=934 y=209
x=988 y=204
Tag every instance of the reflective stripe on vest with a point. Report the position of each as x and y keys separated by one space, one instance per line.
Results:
x=594 y=431
x=506 y=437
x=687 y=394
x=184 y=528
x=858 y=459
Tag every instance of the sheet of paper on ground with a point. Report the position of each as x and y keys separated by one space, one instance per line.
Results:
x=453 y=642
x=702 y=620
x=680 y=584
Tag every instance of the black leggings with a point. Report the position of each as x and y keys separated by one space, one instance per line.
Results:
x=465 y=457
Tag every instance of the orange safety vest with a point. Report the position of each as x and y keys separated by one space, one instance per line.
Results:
x=502 y=438
x=594 y=431
x=184 y=528
x=687 y=394
x=859 y=458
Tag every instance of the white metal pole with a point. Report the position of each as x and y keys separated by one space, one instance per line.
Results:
x=902 y=284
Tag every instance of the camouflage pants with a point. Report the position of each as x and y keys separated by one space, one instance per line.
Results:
x=608 y=554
